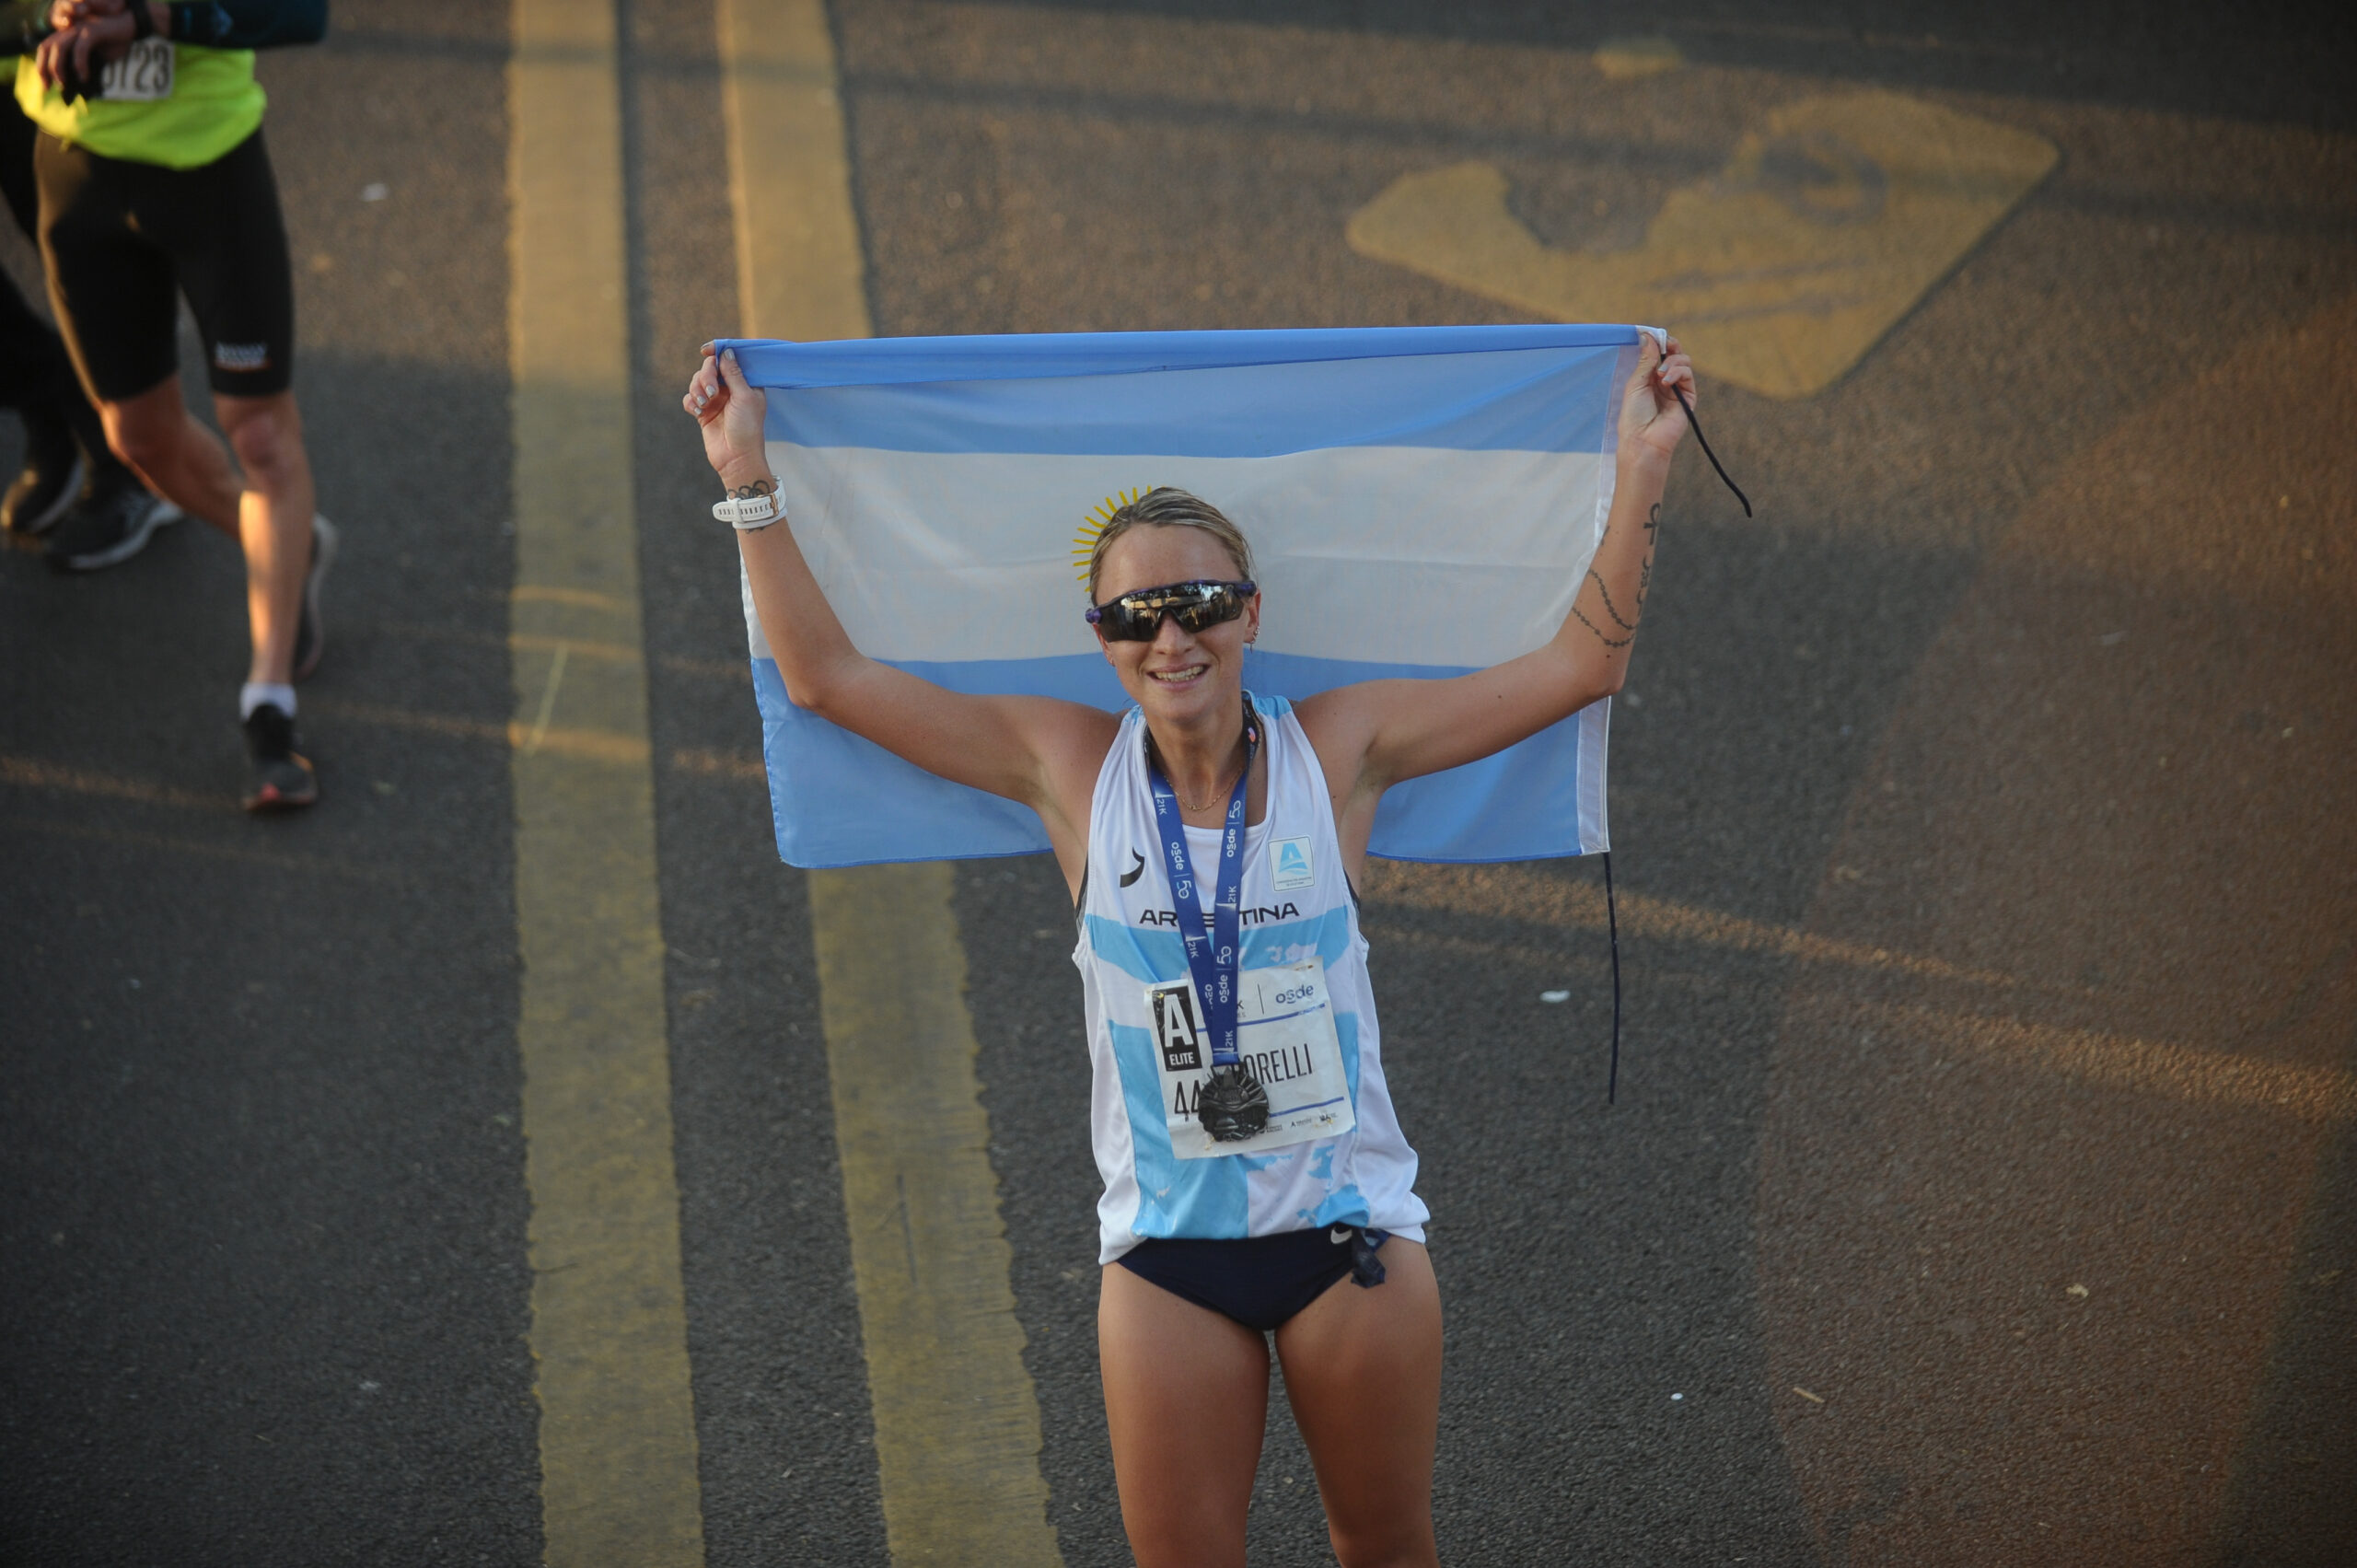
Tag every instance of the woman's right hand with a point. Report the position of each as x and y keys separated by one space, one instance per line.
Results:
x=732 y=414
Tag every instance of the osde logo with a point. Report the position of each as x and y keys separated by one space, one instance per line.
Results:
x=1301 y=993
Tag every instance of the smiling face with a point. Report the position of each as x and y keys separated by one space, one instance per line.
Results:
x=1181 y=677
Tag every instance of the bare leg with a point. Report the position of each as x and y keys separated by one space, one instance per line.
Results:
x=1363 y=1369
x=179 y=459
x=273 y=522
x=1186 y=1398
x=269 y=514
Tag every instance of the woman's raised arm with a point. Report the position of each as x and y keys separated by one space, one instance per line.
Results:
x=1038 y=751
x=1372 y=736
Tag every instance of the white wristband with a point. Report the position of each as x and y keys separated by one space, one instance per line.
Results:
x=750 y=512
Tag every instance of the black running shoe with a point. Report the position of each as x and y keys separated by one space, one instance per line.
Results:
x=109 y=528
x=48 y=486
x=282 y=776
x=310 y=632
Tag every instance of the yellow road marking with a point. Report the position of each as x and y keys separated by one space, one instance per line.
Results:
x=1778 y=274
x=548 y=700
x=800 y=273
x=957 y=1420
x=585 y=598
x=574 y=647
x=618 y=1441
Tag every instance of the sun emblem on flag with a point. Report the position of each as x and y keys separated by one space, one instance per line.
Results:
x=1084 y=544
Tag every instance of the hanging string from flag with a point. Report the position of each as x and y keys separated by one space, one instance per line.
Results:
x=1611 y=912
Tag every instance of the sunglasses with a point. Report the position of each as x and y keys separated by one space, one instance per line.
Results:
x=1136 y=618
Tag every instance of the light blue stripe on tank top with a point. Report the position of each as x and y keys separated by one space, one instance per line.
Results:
x=1205 y=1198
x=1155 y=956
x=1346 y=1204
x=1282 y=942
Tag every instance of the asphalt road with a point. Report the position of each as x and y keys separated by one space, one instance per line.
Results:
x=1982 y=1186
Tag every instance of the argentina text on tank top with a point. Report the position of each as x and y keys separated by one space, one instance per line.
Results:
x=1333 y=1153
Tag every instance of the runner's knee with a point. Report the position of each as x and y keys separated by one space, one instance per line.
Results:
x=143 y=434
x=1404 y=1545
x=265 y=444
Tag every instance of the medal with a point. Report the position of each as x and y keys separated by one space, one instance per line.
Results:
x=1232 y=1105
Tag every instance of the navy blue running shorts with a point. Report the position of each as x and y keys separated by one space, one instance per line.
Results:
x=1261 y=1282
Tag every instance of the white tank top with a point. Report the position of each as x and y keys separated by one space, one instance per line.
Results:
x=1297 y=904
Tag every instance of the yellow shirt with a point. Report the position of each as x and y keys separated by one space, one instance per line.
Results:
x=214 y=104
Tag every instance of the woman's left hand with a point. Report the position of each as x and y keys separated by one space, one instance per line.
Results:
x=1652 y=424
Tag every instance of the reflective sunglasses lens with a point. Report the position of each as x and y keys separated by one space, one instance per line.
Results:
x=1136 y=618
x=1127 y=622
x=1221 y=604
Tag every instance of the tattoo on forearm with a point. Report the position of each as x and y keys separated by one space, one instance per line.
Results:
x=1644 y=587
x=758 y=487
x=1609 y=608
x=1608 y=642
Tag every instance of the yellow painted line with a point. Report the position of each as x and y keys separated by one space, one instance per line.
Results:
x=575 y=648
x=582 y=598
x=608 y=1334
x=800 y=272
x=1777 y=274
x=957 y=1419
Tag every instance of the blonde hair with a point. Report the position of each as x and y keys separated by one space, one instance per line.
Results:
x=1165 y=507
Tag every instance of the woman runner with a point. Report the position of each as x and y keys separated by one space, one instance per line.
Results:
x=1271 y=1191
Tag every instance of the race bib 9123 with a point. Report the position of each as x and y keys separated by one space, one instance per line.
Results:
x=143 y=76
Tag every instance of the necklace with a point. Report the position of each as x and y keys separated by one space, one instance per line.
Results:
x=1223 y=784
x=1223 y=787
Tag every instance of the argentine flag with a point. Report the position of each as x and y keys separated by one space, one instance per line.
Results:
x=1422 y=501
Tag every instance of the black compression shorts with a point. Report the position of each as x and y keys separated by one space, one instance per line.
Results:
x=120 y=238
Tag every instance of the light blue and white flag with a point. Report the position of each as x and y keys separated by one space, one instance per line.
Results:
x=1422 y=501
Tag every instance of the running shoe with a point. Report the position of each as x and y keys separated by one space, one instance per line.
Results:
x=109 y=528
x=310 y=632
x=282 y=775
x=51 y=482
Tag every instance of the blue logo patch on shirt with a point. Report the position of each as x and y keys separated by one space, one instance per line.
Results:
x=1290 y=866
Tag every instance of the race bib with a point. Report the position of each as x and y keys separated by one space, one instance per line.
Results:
x=1286 y=1036
x=143 y=75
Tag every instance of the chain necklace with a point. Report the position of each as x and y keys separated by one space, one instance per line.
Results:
x=1209 y=801
x=1215 y=795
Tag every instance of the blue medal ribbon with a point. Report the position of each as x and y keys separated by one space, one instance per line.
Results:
x=1213 y=957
